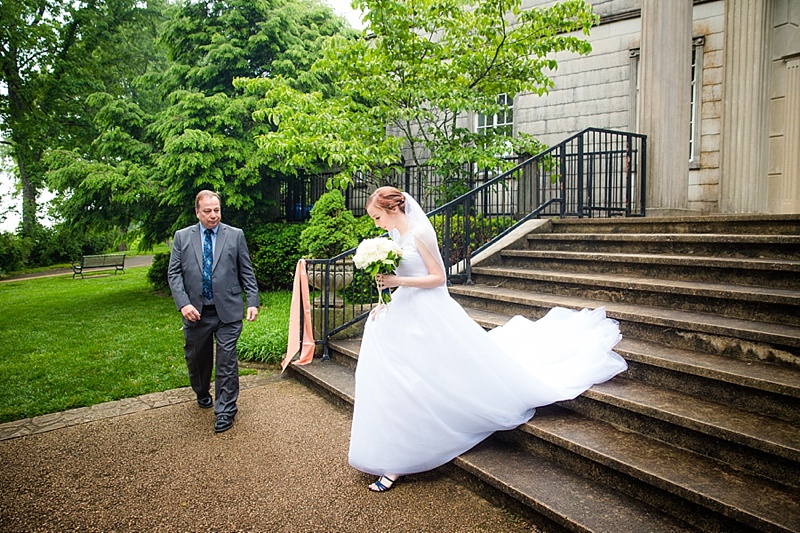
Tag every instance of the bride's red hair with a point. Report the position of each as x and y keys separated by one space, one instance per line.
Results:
x=387 y=198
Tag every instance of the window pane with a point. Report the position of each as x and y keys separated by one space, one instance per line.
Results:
x=502 y=122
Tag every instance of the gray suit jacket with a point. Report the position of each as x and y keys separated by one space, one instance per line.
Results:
x=232 y=272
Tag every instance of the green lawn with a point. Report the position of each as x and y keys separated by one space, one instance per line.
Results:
x=159 y=248
x=70 y=343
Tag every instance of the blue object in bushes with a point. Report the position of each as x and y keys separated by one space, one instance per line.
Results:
x=301 y=212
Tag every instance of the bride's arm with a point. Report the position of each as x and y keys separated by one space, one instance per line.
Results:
x=434 y=278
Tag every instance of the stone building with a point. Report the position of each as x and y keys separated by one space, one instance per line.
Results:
x=715 y=85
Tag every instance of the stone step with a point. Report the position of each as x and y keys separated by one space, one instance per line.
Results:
x=765 y=445
x=337 y=382
x=346 y=352
x=704 y=332
x=717 y=245
x=770 y=378
x=659 y=472
x=763 y=388
x=716 y=224
x=775 y=273
x=535 y=485
x=759 y=444
x=568 y=501
x=701 y=433
x=709 y=494
x=752 y=303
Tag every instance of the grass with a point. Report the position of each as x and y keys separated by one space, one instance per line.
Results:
x=72 y=343
x=265 y=339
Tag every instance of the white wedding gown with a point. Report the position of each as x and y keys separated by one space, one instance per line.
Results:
x=431 y=383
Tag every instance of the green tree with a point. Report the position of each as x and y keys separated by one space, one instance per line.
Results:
x=202 y=134
x=52 y=54
x=417 y=70
x=107 y=182
x=208 y=132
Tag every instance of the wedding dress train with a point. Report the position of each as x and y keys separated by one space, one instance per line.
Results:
x=431 y=383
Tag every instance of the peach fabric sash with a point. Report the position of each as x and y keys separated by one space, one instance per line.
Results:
x=299 y=293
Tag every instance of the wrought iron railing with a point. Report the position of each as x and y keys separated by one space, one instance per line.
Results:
x=595 y=173
x=427 y=186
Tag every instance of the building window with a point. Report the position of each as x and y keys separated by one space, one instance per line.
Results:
x=633 y=119
x=502 y=122
x=496 y=200
x=695 y=102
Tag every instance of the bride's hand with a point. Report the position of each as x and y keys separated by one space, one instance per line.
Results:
x=377 y=310
x=387 y=281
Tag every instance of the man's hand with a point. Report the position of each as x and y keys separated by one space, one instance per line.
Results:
x=190 y=313
x=252 y=313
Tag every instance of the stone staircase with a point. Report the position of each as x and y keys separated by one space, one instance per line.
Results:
x=702 y=433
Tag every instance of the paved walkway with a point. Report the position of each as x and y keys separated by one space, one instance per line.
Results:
x=153 y=463
x=130 y=262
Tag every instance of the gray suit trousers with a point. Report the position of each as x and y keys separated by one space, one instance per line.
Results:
x=199 y=353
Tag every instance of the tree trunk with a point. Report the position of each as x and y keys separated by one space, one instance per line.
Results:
x=19 y=110
x=28 y=200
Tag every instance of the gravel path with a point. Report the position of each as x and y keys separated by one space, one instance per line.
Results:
x=281 y=468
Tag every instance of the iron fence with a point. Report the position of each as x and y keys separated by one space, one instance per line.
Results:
x=595 y=173
x=424 y=183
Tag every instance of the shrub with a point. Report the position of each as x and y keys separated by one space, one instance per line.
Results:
x=157 y=275
x=52 y=246
x=13 y=253
x=482 y=230
x=331 y=229
x=274 y=251
x=95 y=242
x=265 y=339
x=61 y=244
x=366 y=228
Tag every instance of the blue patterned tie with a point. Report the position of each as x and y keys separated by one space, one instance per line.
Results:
x=208 y=260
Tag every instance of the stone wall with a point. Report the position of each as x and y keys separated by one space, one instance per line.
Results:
x=598 y=90
x=590 y=91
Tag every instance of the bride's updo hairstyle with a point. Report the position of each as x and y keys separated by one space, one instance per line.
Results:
x=387 y=198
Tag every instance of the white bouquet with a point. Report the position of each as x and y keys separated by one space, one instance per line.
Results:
x=378 y=256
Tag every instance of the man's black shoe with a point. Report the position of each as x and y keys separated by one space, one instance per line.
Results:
x=205 y=401
x=224 y=423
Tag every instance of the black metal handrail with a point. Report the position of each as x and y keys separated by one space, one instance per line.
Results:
x=423 y=182
x=594 y=173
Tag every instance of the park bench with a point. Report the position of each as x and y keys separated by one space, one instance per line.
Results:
x=99 y=262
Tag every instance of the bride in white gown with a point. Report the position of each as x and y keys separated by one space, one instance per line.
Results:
x=431 y=383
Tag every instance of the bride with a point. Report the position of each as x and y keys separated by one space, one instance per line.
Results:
x=431 y=383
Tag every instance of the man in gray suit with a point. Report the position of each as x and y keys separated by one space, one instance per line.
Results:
x=209 y=269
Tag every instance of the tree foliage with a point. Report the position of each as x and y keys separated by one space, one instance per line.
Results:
x=52 y=54
x=418 y=69
x=127 y=108
x=152 y=156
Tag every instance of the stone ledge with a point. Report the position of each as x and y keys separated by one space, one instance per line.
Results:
x=80 y=415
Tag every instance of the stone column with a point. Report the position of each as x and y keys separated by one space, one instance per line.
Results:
x=744 y=156
x=790 y=202
x=664 y=101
